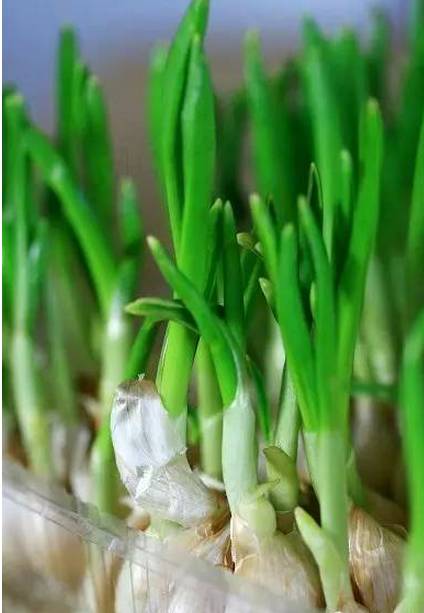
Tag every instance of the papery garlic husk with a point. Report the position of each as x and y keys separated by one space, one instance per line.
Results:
x=352 y=607
x=375 y=558
x=383 y=510
x=34 y=547
x=131 y=589
x=280 y=563
x=208 y=541
x=138 y=518
x=399 y=482
x=197 y=598
x=376 y=442
x=97 y=593
x=79 y=467
x=151 y=456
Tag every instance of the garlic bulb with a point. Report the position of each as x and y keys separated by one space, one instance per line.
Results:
x=351 y=607
x=375 y=557
x=131 y=589
x=195 y=599
x=150 y=455
x=385 y=511
x=34 y=544
x=97 y=593
x=208 y=541
x=375 y=435
x=281 y=563
x=79 y=469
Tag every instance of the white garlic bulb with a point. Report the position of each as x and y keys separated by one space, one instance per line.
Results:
x=150 y=454
x=281 y=563
x=375 y=557
x=32 y=540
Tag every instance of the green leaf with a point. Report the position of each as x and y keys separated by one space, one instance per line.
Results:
x=330 y=563
x=98 y=155
x=67 y=58
x=325 y=322
x=271 y=171
x=315 y=187
x=141 y=349
x=132 y=231
x=62 y=386
x=380 y=391
x=193 y=22
x=266 y=232
x=412 y=400
x=16 y=204
x=90 y=235
x=263 y=409
x=209 y=325
x=268 y=291
x=251 y=289
x=37 y=268
x=158 y=309
x=288 y=420
x=348 y=73
x=8 y=267
x=346 y=200
x=294 y=330
x=80 y=77
x=415 y=239
x=214 y=245
x=155 y=104
x=326 y=128
x=364 y=227
x=233 y=282
x=198 y=143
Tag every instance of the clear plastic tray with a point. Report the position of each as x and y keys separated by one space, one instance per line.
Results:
x=60 y=554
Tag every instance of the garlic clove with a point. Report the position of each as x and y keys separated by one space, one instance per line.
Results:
x=280 y=563
x=207 y=541
x=385 y=511
x=131 y=588
x=375 y=435
x=34 y=544
x=150 y=455
x=196 y=599
x=352 y=607
x=97 y=592
x=375 y=557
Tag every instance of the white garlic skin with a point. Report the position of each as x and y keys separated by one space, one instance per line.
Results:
x=375 y=558
x=280 y=563
x=150 y=454
x=33 y=544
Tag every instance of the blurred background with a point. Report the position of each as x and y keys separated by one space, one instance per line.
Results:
x=116 y=36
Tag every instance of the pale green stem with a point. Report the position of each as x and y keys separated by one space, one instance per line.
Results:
x=174 y=371
x=115 y=351
x=62 y=383
x=288 y=423
x=33 y=419
x=210 y=413
x=332 y=484
x=377 y=325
